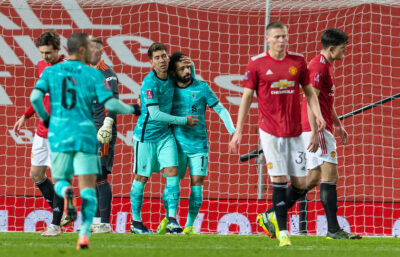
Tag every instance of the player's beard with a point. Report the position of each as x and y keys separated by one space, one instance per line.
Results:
x=185 y=79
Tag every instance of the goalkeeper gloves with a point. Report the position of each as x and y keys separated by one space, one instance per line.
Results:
x=136 y=109
x=104 y=135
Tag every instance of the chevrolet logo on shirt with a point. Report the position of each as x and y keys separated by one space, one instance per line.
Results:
x=283 y=84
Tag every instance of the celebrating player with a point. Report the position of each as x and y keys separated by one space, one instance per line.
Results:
x=275 y=76
x=73 y=87
x=154 y=144
x=322 y=165
x=106 y=125
x=49 y=48
x=192 y=97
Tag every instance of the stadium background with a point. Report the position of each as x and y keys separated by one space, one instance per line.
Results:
x=220 y=37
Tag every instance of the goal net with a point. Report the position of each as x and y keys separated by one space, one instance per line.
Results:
x=220 y=37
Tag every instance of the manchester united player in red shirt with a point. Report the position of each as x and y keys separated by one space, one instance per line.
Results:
x=49 y=48
x=322 y=165
x=275 y=76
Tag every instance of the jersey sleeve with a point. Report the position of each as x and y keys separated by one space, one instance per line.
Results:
x=250 y=79
x=42 y=84
x=102 y=88
x=317 y=75
x=115 y=91
x=304 y=78
x=149 y=92
x=211 y=98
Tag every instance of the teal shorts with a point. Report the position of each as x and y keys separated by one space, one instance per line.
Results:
x=65 y=165
x=152 y=157
x=197 y=162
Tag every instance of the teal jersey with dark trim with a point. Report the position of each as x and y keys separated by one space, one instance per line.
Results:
x=154 y=91
x=73 y=87
x=193 y=100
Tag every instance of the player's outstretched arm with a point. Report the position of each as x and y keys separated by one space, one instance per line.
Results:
x=158 y=115
x=243 y=111
x=225 y=117
x=37 y=103
x=118 y=107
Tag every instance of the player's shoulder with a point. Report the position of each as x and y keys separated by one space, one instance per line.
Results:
x=199 y=83
x=296 y=56
x=319 y=62
x=258 y=57
x=150 y=79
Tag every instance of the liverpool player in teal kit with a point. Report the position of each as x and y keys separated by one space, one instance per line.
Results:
x=73 y=87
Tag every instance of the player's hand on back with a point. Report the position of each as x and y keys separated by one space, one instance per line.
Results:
x=314 y=142
x=192 y=121
x=235 y=142
x=19 y=124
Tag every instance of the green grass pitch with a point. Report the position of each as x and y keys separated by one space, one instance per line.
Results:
x=121 y=245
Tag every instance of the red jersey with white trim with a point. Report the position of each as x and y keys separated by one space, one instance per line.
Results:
x=41 y=130
x=321 y=77
x=276 y=83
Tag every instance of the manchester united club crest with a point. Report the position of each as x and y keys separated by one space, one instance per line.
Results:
x=270 y=166
x=333 y=154
x=293 y=70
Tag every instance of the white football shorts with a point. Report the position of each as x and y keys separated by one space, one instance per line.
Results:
x=285 y=156
x=326 y=151
x=40 y=155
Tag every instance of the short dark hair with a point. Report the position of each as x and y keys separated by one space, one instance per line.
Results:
x=173 y=59
x=76 y=40
x=333 y=37
x=49 y=38
x=157 y=46
x=275 y=25
x=97 y=40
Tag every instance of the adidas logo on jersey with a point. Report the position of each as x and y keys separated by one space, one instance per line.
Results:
x=269 y=72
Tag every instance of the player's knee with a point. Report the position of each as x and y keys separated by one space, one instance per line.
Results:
x=311 y=183
x=37 y=173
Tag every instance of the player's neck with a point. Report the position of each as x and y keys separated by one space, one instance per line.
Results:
x=76 y=57
x=161 y=75
x=277 y=55
x=327 y=56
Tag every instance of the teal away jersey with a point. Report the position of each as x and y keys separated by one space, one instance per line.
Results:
x=154 y=91
x=193 y=100
x=73 y=87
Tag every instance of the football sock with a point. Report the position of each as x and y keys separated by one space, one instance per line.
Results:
x=280 y=206
x=165 y=203
x=137 y=199
x=89 y=205
x=58 y=209
x=60 y=186
x=47 y=188
x=105 y=198
x=328 y=197
x=293 y=194
x=172 y=194
x=195 y=201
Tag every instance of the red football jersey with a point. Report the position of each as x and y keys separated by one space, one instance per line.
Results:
x=276 y=83
x=321 y=77
x=41 y=130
